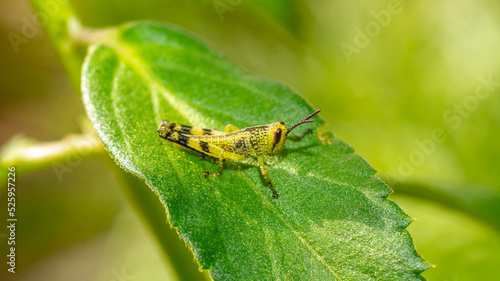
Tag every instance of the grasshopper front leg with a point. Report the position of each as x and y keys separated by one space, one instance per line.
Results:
x=266 y=177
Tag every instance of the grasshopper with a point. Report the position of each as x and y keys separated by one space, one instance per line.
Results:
x=233 y=143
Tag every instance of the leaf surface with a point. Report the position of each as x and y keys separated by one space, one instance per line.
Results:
x=331 y=221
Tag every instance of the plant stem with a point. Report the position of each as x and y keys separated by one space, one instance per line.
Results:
x=28 y=155
x=59 y=15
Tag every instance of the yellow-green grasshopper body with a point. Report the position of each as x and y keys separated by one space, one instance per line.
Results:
x=233 y=144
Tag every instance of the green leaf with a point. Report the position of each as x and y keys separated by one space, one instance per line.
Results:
x=331 y=221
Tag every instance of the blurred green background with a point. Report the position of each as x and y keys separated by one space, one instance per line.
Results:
x=387 y=75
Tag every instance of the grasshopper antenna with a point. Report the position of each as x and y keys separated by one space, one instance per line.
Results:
x=303 y=121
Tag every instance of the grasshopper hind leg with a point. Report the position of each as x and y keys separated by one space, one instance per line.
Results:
x=215 y=174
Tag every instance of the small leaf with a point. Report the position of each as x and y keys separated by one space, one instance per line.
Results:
x=331 y=221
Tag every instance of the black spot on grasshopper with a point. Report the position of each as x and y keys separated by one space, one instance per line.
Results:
x=186 y=129
x=182 y=140
x=204 y=146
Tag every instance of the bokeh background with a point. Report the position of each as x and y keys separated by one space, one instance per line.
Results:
x=387 y=74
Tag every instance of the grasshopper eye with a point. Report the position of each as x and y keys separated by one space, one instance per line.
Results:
x=277 y=136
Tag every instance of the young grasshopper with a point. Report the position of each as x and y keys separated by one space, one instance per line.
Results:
x=233 y=143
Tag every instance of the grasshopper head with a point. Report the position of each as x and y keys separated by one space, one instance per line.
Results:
x=278 y=132
x=276 y=137
x=165 y=129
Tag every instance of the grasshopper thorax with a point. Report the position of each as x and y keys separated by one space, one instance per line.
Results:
x=276 y=137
